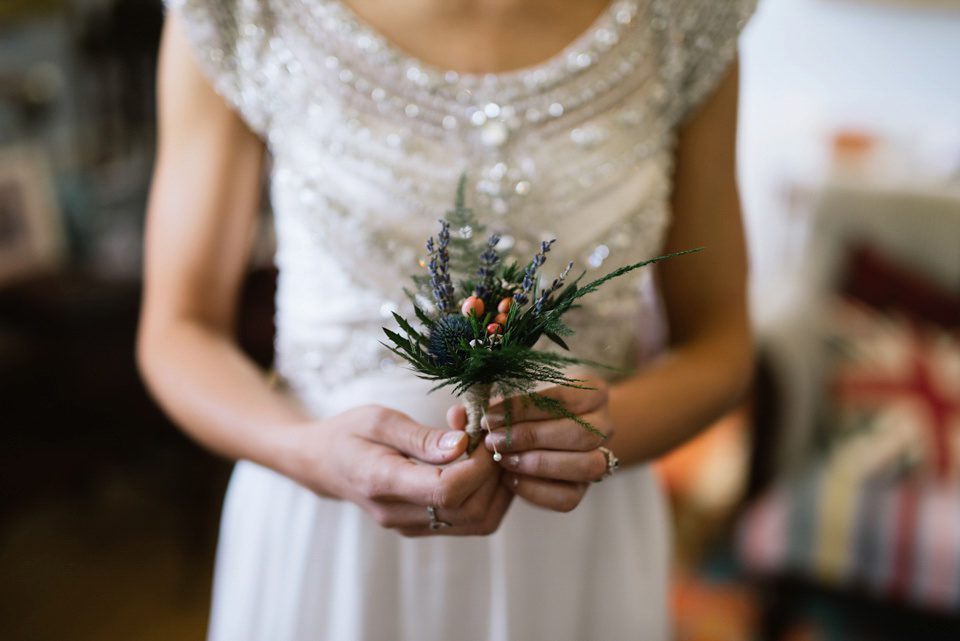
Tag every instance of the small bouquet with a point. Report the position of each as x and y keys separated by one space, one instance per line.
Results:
x=479 y=331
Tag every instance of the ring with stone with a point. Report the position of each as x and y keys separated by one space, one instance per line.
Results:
x=612 y=463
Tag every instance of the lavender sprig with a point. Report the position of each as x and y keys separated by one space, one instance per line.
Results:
x=439 y=267
x=530 y=274
x=554 y=286
x=455 y=347
x=488 y=262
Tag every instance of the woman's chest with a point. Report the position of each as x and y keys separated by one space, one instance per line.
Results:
x=479 y=36
x=346 y=97
x=369 y=142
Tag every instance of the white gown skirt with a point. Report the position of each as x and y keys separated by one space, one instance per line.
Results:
x=295 y=567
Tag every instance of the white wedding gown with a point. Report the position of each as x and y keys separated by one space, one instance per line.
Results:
x=367 y=144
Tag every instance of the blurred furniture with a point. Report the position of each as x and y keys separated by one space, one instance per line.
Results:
x=855 y=486
x=74 y=410
x=118 y=41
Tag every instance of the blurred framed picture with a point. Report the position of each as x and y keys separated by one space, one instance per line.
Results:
x=31 y=233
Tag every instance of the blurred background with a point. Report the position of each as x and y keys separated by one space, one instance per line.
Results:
x=827 y=507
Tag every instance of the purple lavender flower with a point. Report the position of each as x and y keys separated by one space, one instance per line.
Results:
x=488 y=261
x=554 y=286
x=439 y=268
x=530 y=274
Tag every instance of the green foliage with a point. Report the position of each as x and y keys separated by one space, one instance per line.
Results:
x=456 y=351
x=557 y=408
x=466 y=235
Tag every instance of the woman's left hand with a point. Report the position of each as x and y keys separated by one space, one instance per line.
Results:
x=550 y=461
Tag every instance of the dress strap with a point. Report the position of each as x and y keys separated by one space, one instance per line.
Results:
x=231 y=42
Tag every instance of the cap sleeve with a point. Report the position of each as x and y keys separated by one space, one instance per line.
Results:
x=706 y=32
x=231 y=44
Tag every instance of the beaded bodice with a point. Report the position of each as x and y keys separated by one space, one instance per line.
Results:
x=368 y=143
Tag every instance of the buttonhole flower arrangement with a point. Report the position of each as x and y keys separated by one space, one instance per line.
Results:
x=479 y=316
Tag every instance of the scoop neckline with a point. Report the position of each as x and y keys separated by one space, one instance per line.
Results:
x=606 y=19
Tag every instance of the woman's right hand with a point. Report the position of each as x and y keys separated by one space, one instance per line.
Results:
x=367 y=455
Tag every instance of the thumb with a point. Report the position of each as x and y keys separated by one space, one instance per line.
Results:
x=457 y=417
x=426 y=443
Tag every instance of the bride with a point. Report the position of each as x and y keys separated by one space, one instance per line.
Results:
x=353 y=512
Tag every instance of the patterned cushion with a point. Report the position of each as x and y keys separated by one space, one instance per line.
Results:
x=894 y=392
x=879 y=506
x=887 y=284
x=895 y=538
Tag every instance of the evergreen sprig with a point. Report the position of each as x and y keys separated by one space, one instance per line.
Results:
x=493 y=348
x=467 y=230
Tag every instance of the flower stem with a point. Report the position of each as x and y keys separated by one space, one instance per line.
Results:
x=477 y=398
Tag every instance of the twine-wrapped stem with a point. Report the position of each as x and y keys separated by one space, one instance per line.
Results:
x=476 y=399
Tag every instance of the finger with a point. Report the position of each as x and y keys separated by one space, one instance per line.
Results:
x=407 y=516
x=400 y=514
x=423 y=443
x=474 y=509
x=393 y=477
x=498 y=507
x=591 y=396
x=578 y=467
x=457 y=417
x=553 y=434
x=501 y=503
x=559 y=496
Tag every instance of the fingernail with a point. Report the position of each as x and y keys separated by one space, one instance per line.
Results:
x=492 y=421
x=496 y=440
x=513 y=460
x=452 y=439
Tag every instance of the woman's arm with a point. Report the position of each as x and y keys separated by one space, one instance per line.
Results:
x=708 y=367
x=201 y=218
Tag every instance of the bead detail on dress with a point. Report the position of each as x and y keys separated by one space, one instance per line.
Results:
x=368 y=143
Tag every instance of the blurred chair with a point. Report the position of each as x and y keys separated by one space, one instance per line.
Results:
x=855 y=485
x=74 y=411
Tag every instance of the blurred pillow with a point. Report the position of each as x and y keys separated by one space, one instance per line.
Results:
x=898 y=539
x=877 y=279
x=894 y=392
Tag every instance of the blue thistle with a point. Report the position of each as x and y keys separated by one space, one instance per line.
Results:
x=445 y=338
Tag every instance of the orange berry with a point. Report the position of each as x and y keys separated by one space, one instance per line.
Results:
x=500 y=318
x=494 y=328
x=472 y=305
x=504 y=305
